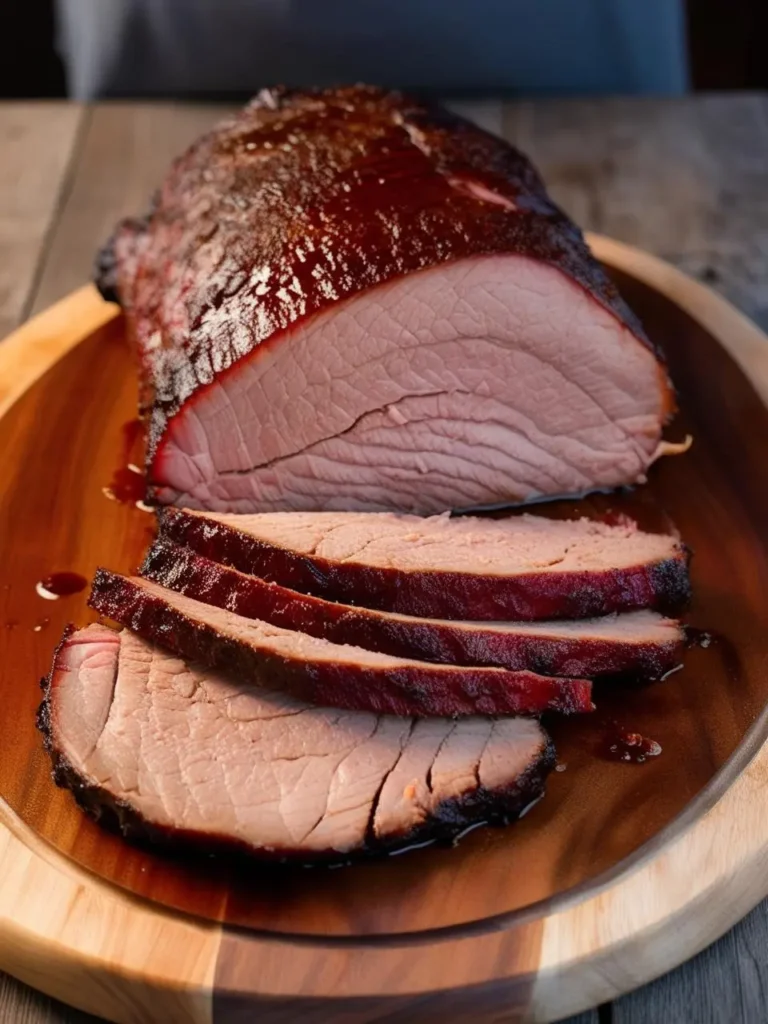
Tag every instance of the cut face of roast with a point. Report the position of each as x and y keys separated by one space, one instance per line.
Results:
x=520 y=568
x=638 y=645
x=450 y=388
x=172 y=752
x=322 y=672
x=347 y=300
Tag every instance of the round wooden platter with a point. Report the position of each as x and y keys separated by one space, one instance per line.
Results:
x=618 y=875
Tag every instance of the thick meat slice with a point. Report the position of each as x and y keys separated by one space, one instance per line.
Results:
x=522 y=567
x=172 y=752
x=639 y=645
x=322 y=672
x=346 y=300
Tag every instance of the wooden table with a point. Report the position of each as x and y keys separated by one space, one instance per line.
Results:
x=686 y=179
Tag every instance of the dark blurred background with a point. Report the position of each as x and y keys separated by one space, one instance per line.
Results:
x=93 y=48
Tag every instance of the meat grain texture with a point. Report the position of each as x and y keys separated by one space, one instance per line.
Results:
x=520 y=567
x=322 y=672
x=348 y=300
x=172 y=753
x=634 y=645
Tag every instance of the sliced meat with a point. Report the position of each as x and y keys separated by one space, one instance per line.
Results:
x=172 y=752
x=322 y=672
x=348 y=300
x=639 y=645
x=522 y=567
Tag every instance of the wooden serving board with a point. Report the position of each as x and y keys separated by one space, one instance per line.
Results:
x=622 y=872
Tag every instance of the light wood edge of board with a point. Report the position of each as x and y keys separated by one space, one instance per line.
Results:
x=79 y=939
x=33 y=348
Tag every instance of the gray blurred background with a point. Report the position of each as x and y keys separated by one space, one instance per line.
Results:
x=229 y=48
x=183 y=47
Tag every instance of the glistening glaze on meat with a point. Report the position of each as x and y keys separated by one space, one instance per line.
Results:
x=346 y=299
x=322 y=672
x=637 y=645
x=173 y=753
x=521 y=567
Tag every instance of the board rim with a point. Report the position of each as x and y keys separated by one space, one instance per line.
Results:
x=584 y=934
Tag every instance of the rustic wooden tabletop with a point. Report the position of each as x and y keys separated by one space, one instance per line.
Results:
x=686 y=179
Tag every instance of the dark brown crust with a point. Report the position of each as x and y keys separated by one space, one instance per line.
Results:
x=305 y=199
x=663 y=586
x=105 y=272
x=418 y=689
x=183 y=570
x=118 y=815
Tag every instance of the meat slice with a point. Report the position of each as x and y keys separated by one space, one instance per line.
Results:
x=172 y=752
x=638 y=645
x=523 y=567
x=322 y=672
x=348 y=300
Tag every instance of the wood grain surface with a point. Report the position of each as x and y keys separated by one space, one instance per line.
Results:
x=538 y=920
x=38 y=142
x=633 y=197
x=75 y=415
x=682 y=178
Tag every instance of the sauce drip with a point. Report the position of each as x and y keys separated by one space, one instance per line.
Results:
x=132 y=431
x=726 y=649
x=630 y=747
x=61 y=584
x=696 y=637
x=128 y=485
